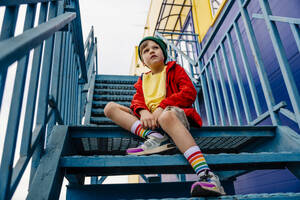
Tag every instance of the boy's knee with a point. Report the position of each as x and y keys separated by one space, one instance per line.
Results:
x=166 y=117
x=109 y=107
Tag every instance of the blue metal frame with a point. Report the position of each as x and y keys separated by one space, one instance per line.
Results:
x=225 y=52
x=58 y=77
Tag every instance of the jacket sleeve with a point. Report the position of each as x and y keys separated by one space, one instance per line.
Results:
x=138 y=101
x=186 y=95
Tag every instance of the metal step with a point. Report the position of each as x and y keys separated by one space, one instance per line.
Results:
x=97 y=97
x=114 y=92
x=116 y=79
x=114 y=86
x=165 y=191
x=209 y=139
x=101 y=121
x=97 y=104
x=98 y=112
x=174 y=164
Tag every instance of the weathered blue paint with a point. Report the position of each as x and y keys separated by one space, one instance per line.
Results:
x=49 y=175
x=238 y=77
x=217 y=91
x=52 y=69
x=224 y=90
x=208 y=131
x=212 y=96
x=7 y=31
x=247 y=69
x=33 y=85
x=19 y=2
x=44 y=93
x=18 y=46
x=245 y=161
x=282 y=59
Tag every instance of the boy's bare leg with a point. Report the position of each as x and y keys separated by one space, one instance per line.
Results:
x=120 y=115
x=176 y=130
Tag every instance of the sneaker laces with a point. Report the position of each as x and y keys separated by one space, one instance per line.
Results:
x=153 y=141
x=206 y=176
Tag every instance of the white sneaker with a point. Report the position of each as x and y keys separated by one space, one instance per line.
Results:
x=208 y=185
x=151 y=146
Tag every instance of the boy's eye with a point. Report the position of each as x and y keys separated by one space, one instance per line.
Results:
x=146 y=50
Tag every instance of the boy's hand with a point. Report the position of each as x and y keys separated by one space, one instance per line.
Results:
x=147 y=120
x=158 y=111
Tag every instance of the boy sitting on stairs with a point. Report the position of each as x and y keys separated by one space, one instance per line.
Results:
x=163 y=99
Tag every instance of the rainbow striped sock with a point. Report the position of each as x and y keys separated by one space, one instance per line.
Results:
x=196 y=159
x=137 y=129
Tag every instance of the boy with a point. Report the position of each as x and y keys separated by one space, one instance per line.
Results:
x=163 y=99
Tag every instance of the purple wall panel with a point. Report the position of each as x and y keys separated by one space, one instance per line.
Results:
x=265 y=180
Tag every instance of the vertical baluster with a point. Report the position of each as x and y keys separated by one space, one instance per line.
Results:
x=231 y=86
x=7 y=31
x=55 y=73
x=72 y=105
x=282 y=59
x=77 y=102
x=211 y=95
x=224 y=90
x=32 y=88
x=44 y=93
x=97 y=56
x=67 y=77
x=238 y=78
x=296 y=33
x=65 y=74
x=247 y=69
x=216 y=86
x=205 y=96
x=69 y=82
x=16 y=103
x=61 y=74
x=259 y=63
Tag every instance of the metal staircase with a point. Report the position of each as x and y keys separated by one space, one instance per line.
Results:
x=71 y=138
x=97 y=149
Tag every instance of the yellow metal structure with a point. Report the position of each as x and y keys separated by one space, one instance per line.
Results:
x=170 y=16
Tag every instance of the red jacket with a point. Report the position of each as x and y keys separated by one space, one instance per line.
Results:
x=180 y=92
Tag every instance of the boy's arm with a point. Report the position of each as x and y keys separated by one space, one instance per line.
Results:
x=187 y=92
x=138 y=101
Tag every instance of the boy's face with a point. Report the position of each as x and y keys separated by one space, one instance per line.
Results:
x=152 y=54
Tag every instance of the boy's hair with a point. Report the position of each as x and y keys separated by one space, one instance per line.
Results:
x=158 y=41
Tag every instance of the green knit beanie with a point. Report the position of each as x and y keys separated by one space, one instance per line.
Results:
x=158 y=41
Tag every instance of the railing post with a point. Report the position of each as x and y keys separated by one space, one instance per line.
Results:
x=231 y=86
x=282 y=59
x=33 y=86
x=55 y=73
x=259 y=63
x=44 y=93
x=7 y=31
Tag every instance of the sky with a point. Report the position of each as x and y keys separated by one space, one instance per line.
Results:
x=118 y=26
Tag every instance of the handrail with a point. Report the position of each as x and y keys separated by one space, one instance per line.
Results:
x=58 y=68
x=219 y=63
x=226 y=50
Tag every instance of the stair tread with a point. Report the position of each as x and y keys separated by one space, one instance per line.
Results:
x=97 y=97
x=178 y=159
x=209 y=139
x=205 y=131
x=130 y=164
x=262 y=196
x=161 y=191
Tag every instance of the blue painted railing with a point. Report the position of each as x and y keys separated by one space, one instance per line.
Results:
x=61 y=67
x=229 y=104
